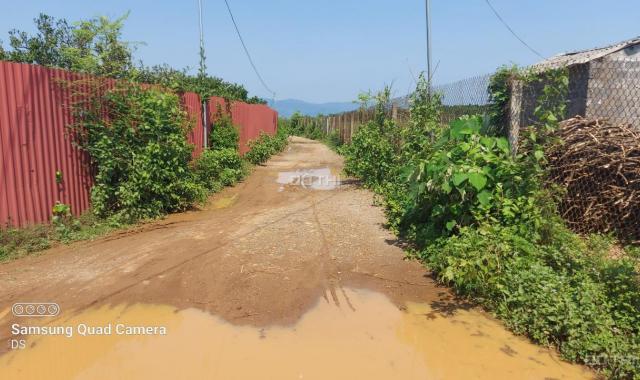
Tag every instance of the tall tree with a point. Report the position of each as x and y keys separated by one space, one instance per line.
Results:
x=93 y=46
x=43 y=48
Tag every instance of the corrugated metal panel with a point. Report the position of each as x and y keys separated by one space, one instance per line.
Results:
x=34 y=143
x=193 y=106
x=582 y=56
x=34 y=111
x=250 y=118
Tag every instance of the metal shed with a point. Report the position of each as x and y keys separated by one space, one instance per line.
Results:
x=603 y=83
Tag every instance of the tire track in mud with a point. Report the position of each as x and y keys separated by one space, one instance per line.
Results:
x=331 y=279
x=316 y=271
x=204 y=253
x=139 y=281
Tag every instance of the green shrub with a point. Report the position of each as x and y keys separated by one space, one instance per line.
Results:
x=372 y=153
x=308 y=127
x=200 y=83
x=137 y=140
x=470 y=178
x=370 y=156
x=312 y=131
x=215 y=169
x=482 y=220
x=585 y=304
x=224 y=134
x=265 y=146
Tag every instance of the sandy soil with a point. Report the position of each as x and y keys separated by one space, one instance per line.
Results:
x=259 y=253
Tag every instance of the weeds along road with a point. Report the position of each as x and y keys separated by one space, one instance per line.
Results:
x=262 y=254
x=259 y=253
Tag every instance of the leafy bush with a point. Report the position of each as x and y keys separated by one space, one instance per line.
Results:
x=308 y=127
x=215 y=169
x=265 y=146
x=204 y=85
x=469 y=178
x=136 y=139
x=370 y=156
x=224 y=135
x=63 y=221
x=482 y=220
x=565 y=292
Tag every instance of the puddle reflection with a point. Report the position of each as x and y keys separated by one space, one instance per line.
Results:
x=365 y=338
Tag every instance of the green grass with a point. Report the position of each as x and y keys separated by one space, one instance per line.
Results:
x=19 y=242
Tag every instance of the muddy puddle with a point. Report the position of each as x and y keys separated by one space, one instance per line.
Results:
x=314 y=179
x=364 y=337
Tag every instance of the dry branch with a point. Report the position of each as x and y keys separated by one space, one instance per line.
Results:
x=599 y=165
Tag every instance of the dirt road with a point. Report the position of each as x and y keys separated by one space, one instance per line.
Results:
x=264 y=259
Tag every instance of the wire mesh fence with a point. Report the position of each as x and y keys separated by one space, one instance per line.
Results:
x=468 y=96
x=605 y=88
x=598 y=163
x=598 y=160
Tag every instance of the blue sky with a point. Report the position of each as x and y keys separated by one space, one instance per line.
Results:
x=331 y=50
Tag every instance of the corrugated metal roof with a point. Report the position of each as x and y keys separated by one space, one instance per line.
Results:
x=583 y=56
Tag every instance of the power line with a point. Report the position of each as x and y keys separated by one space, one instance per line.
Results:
x=244 y=46
x=534 y=51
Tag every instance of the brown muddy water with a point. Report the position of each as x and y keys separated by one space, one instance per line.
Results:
x=364 y=337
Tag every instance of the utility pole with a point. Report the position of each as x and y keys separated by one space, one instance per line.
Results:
x=203 y=67
x=202 y=75
x=428 y=17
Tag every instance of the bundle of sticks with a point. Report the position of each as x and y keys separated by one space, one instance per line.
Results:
x=598 y=163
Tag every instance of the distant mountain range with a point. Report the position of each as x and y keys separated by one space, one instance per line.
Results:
x=287 y=107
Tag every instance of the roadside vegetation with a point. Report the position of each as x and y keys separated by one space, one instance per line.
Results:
x=310 y=128
x=264 y=147
x=142 y=172
x=486 y=223
x=135 y=135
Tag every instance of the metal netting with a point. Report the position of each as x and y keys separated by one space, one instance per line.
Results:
x=598 y=161
x=468 y=96
x=598 y=164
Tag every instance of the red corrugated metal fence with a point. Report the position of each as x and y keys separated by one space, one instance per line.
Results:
x=193 y=106
x=34 y=142
x=250 y=118
x=34 y=110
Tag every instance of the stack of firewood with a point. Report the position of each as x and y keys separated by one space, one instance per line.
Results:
x=598 y=163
